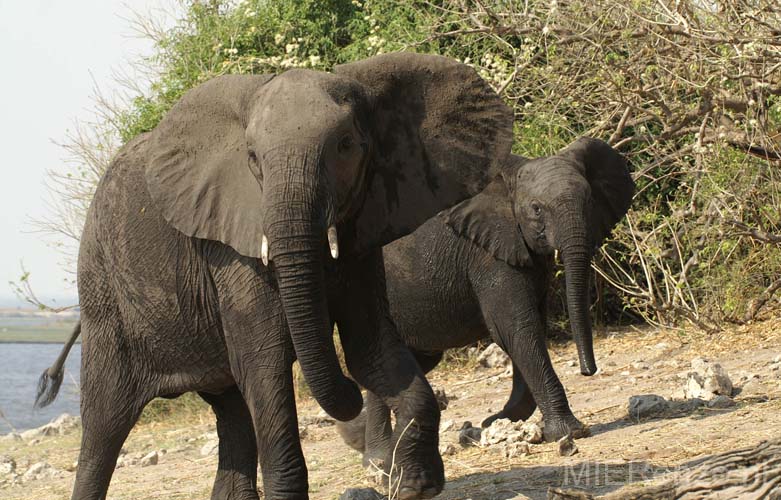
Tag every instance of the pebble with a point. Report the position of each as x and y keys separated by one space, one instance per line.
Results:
x=210 y=448
x=567 y=446
x=361 y=494
x=646 y=406
x=707 y=380
x=7 y=464
x=150 y=458
x=469 y=435
x=721 y=401
x=493 y=357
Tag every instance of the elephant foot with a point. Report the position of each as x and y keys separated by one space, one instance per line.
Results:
x=353 y=432
x=556 y=428
x=414 y=483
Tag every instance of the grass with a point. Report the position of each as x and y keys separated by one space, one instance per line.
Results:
x=50 y=333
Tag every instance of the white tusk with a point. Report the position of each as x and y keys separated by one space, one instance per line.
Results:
x=264 y=250
x=333 y=242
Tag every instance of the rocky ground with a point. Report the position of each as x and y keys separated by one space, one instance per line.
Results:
x=712 y=393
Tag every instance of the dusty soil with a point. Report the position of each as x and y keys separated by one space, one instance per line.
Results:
x=620 y=450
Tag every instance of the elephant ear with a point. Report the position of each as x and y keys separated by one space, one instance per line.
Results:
x=612 y=187
x=488 y=221
x=198 y=172
x=439 y=134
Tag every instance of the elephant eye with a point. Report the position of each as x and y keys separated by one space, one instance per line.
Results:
x=536 y=209
x=252 y=156
x=345 y=143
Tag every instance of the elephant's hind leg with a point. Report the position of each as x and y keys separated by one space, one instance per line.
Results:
x=521 y=404
x=237 y=473
x=111 y=402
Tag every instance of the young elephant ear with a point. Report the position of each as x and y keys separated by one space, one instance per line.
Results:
x=612 y=187
x=488 y=221
x=439 y=133
x=199 y=174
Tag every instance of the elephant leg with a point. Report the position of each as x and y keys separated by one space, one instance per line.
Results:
x=371 y=432
x=518 y=327
x=237 y=472
x=381 y=363
x=261 y=356
x=521 y=404
x=111 y=402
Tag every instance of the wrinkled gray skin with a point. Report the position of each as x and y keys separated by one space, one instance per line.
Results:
x=482 y=268
x=173 y=292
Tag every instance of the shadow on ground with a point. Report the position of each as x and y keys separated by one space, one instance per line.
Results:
x=597 y=477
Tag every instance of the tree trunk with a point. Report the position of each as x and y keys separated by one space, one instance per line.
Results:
x=747 y=473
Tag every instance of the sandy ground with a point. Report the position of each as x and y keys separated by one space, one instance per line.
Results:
x=620 y=450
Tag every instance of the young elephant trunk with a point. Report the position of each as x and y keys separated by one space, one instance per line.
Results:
x=295 y=226
x=576 y=253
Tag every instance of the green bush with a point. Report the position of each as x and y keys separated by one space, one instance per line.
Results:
x=687 y=92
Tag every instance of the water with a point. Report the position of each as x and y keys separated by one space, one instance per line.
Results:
x=20 y=367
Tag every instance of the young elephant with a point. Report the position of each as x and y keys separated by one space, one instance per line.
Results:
x=482 y=268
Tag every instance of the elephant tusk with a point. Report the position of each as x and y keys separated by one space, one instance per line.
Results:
x=264 y=250
x=333 y=242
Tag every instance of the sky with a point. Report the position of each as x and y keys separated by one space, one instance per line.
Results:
x=53 y=55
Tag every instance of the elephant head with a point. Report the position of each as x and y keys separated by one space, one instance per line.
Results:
x=294 y=167
x=568 y=202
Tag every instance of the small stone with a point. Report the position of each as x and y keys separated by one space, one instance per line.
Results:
x=571 y=363
x=646 y=406
x=38 y=470
x=753 y=388
x=7 y=464
x=447 y=449
x=721 y=401
x=210 y=448
x=442 y=399
x=209 y=436
x=33 y=442
x=640 y=365
x=707 y=380
x=517 y=449
x=447 y=425
x=11 y=436
x=361 y=494
x=777 y=359
x=468 y=435
x=150 y=458
x=567 y=446
x=493 y=357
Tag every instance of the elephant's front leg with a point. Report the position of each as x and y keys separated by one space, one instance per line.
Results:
x=261 y=357
x=379 y=361
x=517 y=325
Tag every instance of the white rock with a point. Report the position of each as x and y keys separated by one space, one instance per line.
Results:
x=707 y=380
x=11 y=436
x=447 y=425
x=39 y=470
x=517 y=449
x=493 y=357
x=7 y=465
x=150 y=458
x=640 y=365
x=209 y=436
x=447 y=449
x=210 y=448
x=504 y=431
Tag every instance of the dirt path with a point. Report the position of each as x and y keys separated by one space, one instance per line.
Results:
x=621 y=450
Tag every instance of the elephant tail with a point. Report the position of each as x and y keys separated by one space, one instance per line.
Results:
x=51 y=378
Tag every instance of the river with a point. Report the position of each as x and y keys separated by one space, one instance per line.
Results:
x=21 y=366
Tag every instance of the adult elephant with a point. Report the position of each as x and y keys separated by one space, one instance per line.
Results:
x=482 y=269
x=205 y=252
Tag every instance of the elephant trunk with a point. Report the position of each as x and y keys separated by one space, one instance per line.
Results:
x=576 y=254
x=295 y=222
